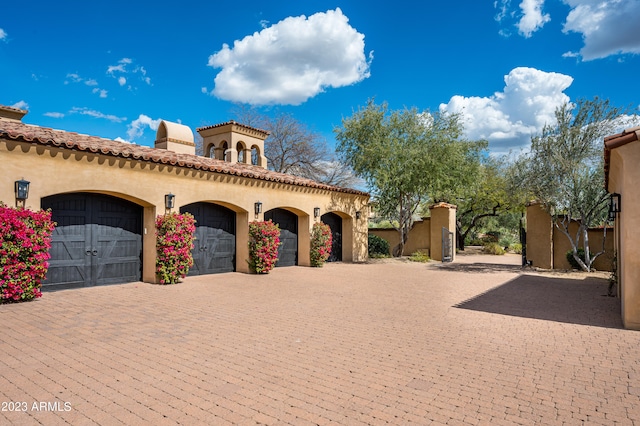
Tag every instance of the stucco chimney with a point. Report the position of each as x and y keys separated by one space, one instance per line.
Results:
x=175 y=137
x=234 y=143
x=11 y=113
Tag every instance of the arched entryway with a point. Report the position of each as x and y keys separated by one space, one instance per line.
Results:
x=288 y=223
x=97 y=241
x=335 y=223
x=214 y=248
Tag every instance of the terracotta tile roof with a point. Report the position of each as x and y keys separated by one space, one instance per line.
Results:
x=232 y=122
x=79 y=142
x=616 y=141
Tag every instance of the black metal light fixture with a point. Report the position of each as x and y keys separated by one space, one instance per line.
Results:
x=22 y=191
x=358 y=214
x=316 y=212
x=169 y=201
x=614 y=206
x=257 y=208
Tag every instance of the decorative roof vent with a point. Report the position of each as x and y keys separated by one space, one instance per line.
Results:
x=175 y=137
x=11 y=113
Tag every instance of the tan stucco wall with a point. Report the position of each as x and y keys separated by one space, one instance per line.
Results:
x=539 y=237
x=54 y=171
x=624 y=179
x=442 y=216
x=419 y=237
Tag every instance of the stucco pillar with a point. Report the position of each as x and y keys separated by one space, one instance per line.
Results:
x=242 y=242
x=149 y=244
x=231 y=156
x=539 y=236
x=304 y=241
x=443 y=215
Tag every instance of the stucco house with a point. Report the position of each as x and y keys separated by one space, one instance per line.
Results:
x=105 y=196
x=622 y=180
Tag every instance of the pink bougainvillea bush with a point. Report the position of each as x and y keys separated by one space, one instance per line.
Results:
x=174 y=236
x=25 y=239
x=264 y=240
x=321 y=241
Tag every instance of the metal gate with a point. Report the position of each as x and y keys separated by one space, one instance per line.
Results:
x=447 y=245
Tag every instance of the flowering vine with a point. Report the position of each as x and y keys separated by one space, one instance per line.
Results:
x=321 y=240
x=25 y=239
x=264 y=240
x=174 y=236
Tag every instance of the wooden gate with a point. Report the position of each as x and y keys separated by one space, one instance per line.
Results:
x=447 y=245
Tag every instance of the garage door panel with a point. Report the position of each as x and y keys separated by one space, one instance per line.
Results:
x=98 y=240
x=335 y=224
x=288 y=224
x=215 y=241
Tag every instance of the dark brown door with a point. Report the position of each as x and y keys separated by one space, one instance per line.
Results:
x=288 y=222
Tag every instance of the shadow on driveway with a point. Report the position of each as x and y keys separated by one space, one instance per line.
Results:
x=573 y=301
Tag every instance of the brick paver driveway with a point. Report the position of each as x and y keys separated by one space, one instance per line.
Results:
x=396 y=343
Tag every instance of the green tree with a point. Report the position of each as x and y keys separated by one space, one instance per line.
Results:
x=493 y=191
x=405 y=157
x=565 y=171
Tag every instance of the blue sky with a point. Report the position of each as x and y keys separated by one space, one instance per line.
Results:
x=114 y=69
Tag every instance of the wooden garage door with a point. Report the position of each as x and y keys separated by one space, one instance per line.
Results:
x=288 y=222
x=214 y=248
x=335 y=223
x=97 y=241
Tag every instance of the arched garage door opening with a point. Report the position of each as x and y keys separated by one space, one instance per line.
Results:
x=97 y=241
x=214 y=249
x=288 y=223
x=335 y=223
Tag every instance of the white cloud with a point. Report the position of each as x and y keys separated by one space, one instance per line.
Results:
x=54 y=114
x=608 y=27
x=119 y=139
x=3 y=34
x=137 y=126
x=509 y=118
x=21 y=105
x=97 y=114
x=204 y=89
x=291 y=61
x=101 y=92
x=123 y=67
x=532 y=18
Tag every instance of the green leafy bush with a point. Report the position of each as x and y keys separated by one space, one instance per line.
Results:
x=264 y=240
x=25 y=239
x=572 y=260
x=516 y=248
x=493 y=248
x=321 y=240
x=174 y=242
x=420 y=256
x=378 y=247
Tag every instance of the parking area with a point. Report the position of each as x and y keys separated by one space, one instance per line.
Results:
x=388 y=342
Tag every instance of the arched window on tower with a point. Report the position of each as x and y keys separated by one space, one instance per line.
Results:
x=240 y=149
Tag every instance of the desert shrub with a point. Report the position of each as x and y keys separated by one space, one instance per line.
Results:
x=516 y=248
x=493 y=248
x=25 y=239
x=174 y=242
x=321 y=240
x=572 y=261
x=264 y=240
x=378 y=246
x=419 y=256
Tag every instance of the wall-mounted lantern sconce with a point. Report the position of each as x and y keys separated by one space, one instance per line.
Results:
x=257 y=208
x=614 y=206
x=22 y=191
x=316 y=212
x=169 y=201
x=358 y=215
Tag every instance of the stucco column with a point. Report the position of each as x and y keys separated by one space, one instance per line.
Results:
x=149 y=244
x=443 y=215
x=304 y=241
x=539 y=236
x=242 y=242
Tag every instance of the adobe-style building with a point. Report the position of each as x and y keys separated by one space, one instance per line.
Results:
x=105 y=196
x=622 y=180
